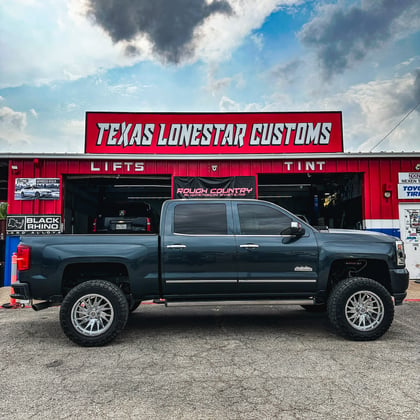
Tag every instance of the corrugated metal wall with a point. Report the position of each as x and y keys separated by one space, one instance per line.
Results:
x=376 y=173
x=379 y=213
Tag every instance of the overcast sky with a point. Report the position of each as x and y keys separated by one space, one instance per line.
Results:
x=61 y=58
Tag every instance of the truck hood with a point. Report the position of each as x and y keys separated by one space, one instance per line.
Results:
x=358 y=235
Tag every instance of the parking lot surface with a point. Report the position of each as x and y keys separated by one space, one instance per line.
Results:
x=210 y=363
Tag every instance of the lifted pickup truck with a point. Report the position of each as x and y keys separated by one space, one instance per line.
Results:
x=214 y=252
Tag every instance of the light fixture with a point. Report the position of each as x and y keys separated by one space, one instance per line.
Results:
x=387 y=191
x=276 y=196
x=149 y=198
x=284 y=185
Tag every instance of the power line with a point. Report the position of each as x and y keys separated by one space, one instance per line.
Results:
x=396 y=126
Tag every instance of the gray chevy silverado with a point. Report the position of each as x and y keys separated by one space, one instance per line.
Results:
x=215 y=252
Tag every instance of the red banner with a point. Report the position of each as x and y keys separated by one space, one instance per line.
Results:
x=202 y=134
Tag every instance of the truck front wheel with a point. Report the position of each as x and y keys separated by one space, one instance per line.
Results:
x=93 y=313
x=360 y=309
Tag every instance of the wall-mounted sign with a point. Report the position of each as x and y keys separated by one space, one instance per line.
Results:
x=33 y=224
x=409 y=191
x=199 y=187
x=409 y=177
x=221 y=133
x=37 y=189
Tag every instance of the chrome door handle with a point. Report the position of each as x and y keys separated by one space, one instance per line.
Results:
x=176 y=246
x=249 y=246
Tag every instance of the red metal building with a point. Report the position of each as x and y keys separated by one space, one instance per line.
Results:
x=293 y=159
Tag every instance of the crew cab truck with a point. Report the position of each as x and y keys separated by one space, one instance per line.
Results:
x=214 y=252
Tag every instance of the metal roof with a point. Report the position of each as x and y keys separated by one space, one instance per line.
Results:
x=83 y=156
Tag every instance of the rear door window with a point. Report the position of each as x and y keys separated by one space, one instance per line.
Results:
x=200 y=219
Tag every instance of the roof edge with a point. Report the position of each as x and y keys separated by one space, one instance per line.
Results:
x=84 y=156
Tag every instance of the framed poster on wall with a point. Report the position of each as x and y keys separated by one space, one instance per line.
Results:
x=37 y=189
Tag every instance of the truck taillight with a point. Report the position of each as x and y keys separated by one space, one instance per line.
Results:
x=148 y=225
x=23 y=257
x=400 y=253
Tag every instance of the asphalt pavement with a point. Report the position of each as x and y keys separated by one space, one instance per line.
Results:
x=210 y=363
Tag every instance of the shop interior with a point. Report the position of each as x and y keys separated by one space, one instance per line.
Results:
x=333 y=200
x=88 y=199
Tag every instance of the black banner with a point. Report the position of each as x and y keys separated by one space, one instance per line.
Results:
x=230 y=187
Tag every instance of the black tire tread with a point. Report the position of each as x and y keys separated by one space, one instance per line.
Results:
x=338 y=298
x=112 y=292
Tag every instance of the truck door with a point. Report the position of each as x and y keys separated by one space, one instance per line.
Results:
x=268 y=261
x=198 y=250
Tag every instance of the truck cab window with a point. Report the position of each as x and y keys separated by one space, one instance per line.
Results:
x=261 y=220
x=200 y=219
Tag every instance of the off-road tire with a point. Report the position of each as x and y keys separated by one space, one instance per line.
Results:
x=93 y=313
x=360 y=309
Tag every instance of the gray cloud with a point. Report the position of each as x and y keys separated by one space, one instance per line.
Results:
x=169 y=25
x=342 y=37
x=286 y=73
x=410 y=99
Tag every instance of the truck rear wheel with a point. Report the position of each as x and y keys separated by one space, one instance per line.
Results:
x=360 y=309
x=94 y=313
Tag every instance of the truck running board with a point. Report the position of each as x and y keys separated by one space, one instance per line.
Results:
x=242 y=302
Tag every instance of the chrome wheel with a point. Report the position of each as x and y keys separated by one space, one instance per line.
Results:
x=364 y=310
x=92 y=315
x=94 y=312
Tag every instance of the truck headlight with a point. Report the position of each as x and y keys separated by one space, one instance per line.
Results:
x=399 y=245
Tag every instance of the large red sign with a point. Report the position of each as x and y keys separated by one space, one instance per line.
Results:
x=201 y=134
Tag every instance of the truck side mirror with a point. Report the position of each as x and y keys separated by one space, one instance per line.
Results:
x=295 y=229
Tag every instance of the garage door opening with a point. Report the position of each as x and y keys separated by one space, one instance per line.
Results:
x=114 y=204
x=333 y=200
